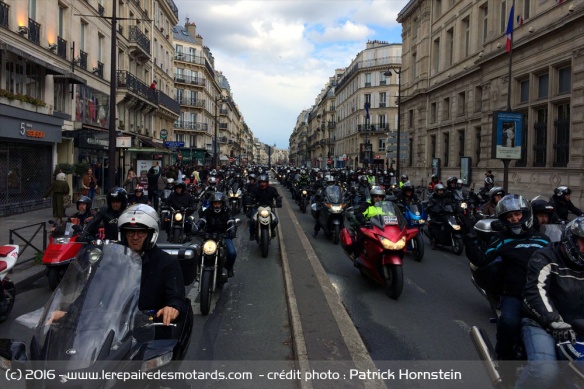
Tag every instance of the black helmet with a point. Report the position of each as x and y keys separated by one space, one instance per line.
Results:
x=541 y=206
x=117 y=193
x=218 y=197
x=408 y=186
x=439 y=190
x=561 y=191
x=83 y=200
x=573 y=230
x=181 y=185
x=511 y=203
x=139 y=189
x=434 y=177
x=404 y=177
x=451 y=182
x=489 y=182
x=496 y=191
x=251 y=177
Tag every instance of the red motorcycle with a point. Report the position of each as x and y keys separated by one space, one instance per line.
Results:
x=383 y=248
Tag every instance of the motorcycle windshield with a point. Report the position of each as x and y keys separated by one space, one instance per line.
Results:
x=333 y=194
x=385 y=213
x=416 y=208
x=553 y=231
x=94 y=311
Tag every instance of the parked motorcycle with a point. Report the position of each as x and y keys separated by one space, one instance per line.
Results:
x=383 y=246
x=92 y=321
x=212 y=274
x=179 y=224
x=416 y=217
x=330 y=213
x=263 y=219
x=8 y=258
x=447 y=230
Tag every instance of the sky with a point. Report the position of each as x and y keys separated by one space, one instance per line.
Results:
x=278 y=54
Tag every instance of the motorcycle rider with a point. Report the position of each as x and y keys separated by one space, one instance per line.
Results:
x=318 y=197
x=434 y=180
x=217 y=219
x=437 y=204
x=484 y=191
x=403 y=180
x=407 y=194
x=451 y=186
x=264 y=195
x=363 y=214
x=543 y=212
x=247 y=189
x=515 y=245
x=117 y=200
x=562 y=203
x=83 y=213
x=138 y=196
x=495 y=195
x=551 y=296
x=303 y=181
x=178 y=199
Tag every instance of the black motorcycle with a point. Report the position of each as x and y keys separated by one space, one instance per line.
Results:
x=92 y=321
x=303 y=197
x=178 y=223
x=445 y=230
x=330 y=212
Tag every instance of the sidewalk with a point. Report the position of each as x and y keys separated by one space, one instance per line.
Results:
x=27 y=272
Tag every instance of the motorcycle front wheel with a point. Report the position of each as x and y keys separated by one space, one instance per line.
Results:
x=457 y=245
x=264 y=242
x=175 y=238
x=9 y=295
x=303 y=205
x=336 y=234
x=418 y=247
x=394 y=280
x=206 y=291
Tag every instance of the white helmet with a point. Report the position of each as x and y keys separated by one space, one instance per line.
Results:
x=138 y=217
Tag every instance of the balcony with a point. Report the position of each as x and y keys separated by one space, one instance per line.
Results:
x=223 y=126
x=379 y=127
x=223 y=139
x=139 y=44
x=98 y=70
x=34 y=31
x=168 y=102
x=129 y=84
x=189 y=58
x=81 y=61
x=199 y=103
x=4 y=11
x=61 y=47
x=223 y=111
x=195 y=126
x=100 y=10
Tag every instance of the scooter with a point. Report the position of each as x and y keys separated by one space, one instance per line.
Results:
x=383 y=246
x=93 y=322
x=8 y=258
x=61 y=250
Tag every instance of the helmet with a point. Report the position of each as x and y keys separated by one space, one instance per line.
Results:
x=117 y=193
x=489 y=182
x=496 y=191
x=439 y=190
x=541 y=206
x=302 y=172
x=484 y=230
x=170 y=182
x=376 y=191
x=451 y=182
x=138 y=217
x=561 y=191
x=329 y=180
x=212 y=181
x=139 y=189
x=408 y=186
x=218 y=197
x=573 y=230
x=83 y=200
x=369 y=172
x=459 y=184
x=364 y=179
x=251 y=177
x=404 y=177
x=263 y=181
x=434 y=177
x=511 y=203
x=181 y=185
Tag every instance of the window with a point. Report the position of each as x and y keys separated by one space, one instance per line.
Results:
x=461 y=103
x=542 y=84
x=461 y=143
x=416 y=26
x=381 y=144
x=433 y=146
x=437 y=8
x=522 y=162
x=526 y=9
x=436 y=54
x=450 y=48
x=524 y=95
x=485 y=17
x=446 y=109
x=382 y=100
x=100 y=39
x=411 y=118
x=504 y=17
x=61 y=21
x=367 y=79
x=381 y=122
x=478 y=98
x=382 y=78
x=446 y=148
x=466 y=37
x=565 y=80
x=562 y=144
x=477 y=145
x=82 y=36
x=414 y=66
x=433 y=112
x=32 y=9
x=540 y=137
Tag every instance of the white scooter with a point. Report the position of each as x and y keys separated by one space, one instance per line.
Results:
x=8 y=257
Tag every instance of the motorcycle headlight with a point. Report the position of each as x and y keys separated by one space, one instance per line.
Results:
x=463 y=205
x=61 y=240
x=421 y=221
x=264 y=213
x=390 y=245
x=304 y=192
x=335 y=208
x=209 y=247
x=456 y=227
x=178 y=216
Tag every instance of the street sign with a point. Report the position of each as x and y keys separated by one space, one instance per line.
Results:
x=402 y=135
x=393 y=155
x=174 y=144
x=393 y=147
x=163 y=134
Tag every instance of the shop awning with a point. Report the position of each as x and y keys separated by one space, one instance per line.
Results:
x=71 y=77
x=50 y=69
x=148 y=142
x=224 y=158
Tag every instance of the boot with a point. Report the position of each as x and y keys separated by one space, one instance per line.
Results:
x=273 y=232
x=315 y=233
x=251 y=236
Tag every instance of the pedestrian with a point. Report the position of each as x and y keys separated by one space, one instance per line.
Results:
x=89 y=183
x=58 y=189
x=131 y=181
x=153 y=174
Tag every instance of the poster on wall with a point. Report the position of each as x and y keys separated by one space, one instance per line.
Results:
x=507 y=136
x=142 y=167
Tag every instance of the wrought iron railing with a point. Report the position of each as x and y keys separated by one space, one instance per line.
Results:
x=61 y=47
x=34 y=31
x=82 y=59
x=126 y=80
x=4 y=11
x=168 y=102
x=138 y=36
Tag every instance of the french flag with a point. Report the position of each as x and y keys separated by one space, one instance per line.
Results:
x=509 y=31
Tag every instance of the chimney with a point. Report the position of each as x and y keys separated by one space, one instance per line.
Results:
x=191 y=28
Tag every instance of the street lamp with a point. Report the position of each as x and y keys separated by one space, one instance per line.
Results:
x=216 y=144
x=388 y=74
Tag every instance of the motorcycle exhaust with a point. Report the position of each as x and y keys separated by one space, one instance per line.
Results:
x=484 y=349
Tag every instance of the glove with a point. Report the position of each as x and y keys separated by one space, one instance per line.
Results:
x=368 y=224
x=562 y=332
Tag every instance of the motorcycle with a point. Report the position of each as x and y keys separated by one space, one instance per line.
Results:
x=235 y=199
x=212 y=273
x=303 y=198
x=92 y=321
x=383 y=246
x=263 y=219
x=61 y=250
x=447 y=228
x=330 y=212
x=8 y=258
x=416 y=217
x=179 y=224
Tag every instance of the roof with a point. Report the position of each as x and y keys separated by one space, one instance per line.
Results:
x=181 y=34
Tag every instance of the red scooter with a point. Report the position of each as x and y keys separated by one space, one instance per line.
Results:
x=383 y=246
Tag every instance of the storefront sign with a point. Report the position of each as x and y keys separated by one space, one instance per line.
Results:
x=25 y=125
x=123 y=142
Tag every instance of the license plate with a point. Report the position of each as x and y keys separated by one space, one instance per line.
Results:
x=389 y=220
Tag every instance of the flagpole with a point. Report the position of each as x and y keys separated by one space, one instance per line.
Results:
x=511 y=20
